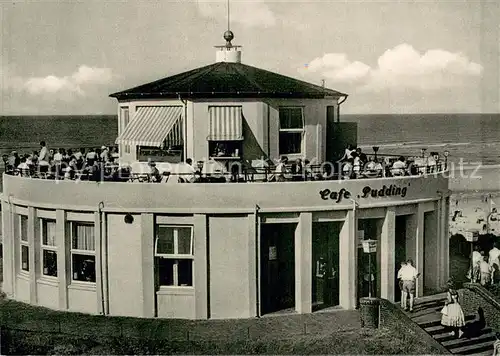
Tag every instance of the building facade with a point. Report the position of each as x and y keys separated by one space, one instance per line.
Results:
x=218 y=251
x=222 y=250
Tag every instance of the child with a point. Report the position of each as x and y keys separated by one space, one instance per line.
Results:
x=452 y=313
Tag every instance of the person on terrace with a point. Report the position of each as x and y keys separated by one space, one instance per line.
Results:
x=44 y=152
x=281 y=169
x=347 y=168
x=297 y=170
x=104 y=154
x=399 y=167
x=91 y=157
x=154 y=173
x=362 y=156
x=347 y=153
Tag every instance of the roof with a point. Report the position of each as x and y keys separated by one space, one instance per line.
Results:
x=227 y=80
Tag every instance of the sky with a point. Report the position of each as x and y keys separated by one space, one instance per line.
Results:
x=66 y=57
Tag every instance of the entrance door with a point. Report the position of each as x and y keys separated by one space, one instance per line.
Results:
x=400 y=252
x=325 y=268
x=277 y=256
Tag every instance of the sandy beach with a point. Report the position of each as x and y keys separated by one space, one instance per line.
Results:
x=476 y=194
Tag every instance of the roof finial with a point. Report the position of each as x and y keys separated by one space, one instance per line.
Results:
x=228 y=35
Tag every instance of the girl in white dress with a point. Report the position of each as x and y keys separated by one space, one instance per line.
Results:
x=452 y=313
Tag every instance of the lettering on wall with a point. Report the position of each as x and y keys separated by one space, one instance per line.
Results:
x=337 y=196
x=386 y=191
x=392 y=190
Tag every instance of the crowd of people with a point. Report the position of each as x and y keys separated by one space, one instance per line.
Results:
x=485 y=269
x=102 y=164
x=61 y=163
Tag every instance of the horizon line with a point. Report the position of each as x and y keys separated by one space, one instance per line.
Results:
x=346 y=114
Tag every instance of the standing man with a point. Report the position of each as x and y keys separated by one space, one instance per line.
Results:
x=408 y=274
x=400 y=282
x=494 y=259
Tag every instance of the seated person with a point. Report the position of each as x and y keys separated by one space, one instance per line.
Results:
x=373 y=169
x=281 y=171
x=186 y=171
x=348 y=169
x=214 y=170
x=357 y=164
x=399 y=167
x=362 y=156
x=297 y=170
x=154 y=173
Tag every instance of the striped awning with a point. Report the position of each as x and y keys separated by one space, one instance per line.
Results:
x=226 y=123
x=153 y=126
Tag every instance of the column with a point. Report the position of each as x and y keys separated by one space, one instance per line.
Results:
x=415 y=244
x=303 y=264
x=252 y=264
x=348 y=267
x=8 y=249
x=200 y=266
x=33 y=258
x=445 y=240
x=98 y=263
x=387 y=255
x=63 y=259
x=104 y=257
x=147 y=251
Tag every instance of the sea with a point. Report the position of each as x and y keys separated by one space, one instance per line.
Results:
x=472 y=139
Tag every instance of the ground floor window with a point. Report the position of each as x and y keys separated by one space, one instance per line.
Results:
x=24 y=245
x=174 y=255
x=83 y=252
x=49 y=248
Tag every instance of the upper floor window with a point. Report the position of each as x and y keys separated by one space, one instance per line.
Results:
x=124 y=116
x=174 y=255
x=291 y=131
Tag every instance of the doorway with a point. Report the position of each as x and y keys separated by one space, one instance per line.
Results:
x=368 y=263
x=399 y=253
x=277 y=256
x=325 y=268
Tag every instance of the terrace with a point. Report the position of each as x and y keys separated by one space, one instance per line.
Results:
x=211 y=171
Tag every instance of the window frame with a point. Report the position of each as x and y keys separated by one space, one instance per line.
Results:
x=175 y=257
x=291 y=130
x=44 y=247
x=23 y=243
x=80 y=252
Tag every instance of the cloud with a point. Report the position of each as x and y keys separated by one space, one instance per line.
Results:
x=76 y=83
x=249 y=13
x=401 y=67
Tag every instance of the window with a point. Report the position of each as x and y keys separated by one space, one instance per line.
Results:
x=125 y=117
x=83 y=252
x=127 y=149
x=171 y=154
x=174 y=255
x=49 y=248
x=291 y=130
x=25 y=250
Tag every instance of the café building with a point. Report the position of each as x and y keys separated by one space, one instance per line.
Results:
x=222 y=250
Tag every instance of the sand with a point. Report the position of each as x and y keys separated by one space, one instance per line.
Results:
x=476 y=194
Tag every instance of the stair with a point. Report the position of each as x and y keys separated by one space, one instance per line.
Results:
x=427 y=315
